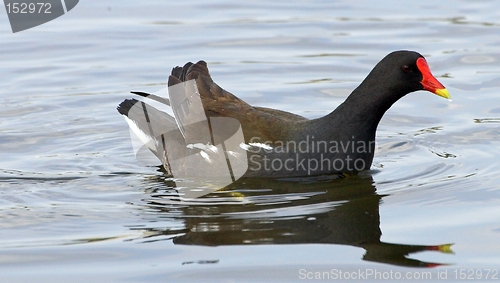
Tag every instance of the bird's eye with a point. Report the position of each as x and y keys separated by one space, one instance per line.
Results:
x=406 y=68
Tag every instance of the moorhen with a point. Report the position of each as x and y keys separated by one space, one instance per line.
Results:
x=273 y=143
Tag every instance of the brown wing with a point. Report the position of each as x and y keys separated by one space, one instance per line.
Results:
x=265 y=123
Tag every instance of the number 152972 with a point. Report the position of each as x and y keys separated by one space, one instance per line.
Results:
x=28 y=8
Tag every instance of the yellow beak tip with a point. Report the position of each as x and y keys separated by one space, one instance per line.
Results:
x=446 y=248
x=443 y=92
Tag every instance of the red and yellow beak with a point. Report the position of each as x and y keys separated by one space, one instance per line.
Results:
x=429 y=82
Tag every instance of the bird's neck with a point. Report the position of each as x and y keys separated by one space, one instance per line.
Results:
x=360 y=114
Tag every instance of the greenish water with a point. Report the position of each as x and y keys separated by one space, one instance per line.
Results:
x=75 y=205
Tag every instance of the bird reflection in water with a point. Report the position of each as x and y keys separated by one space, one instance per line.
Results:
x=321 y=210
